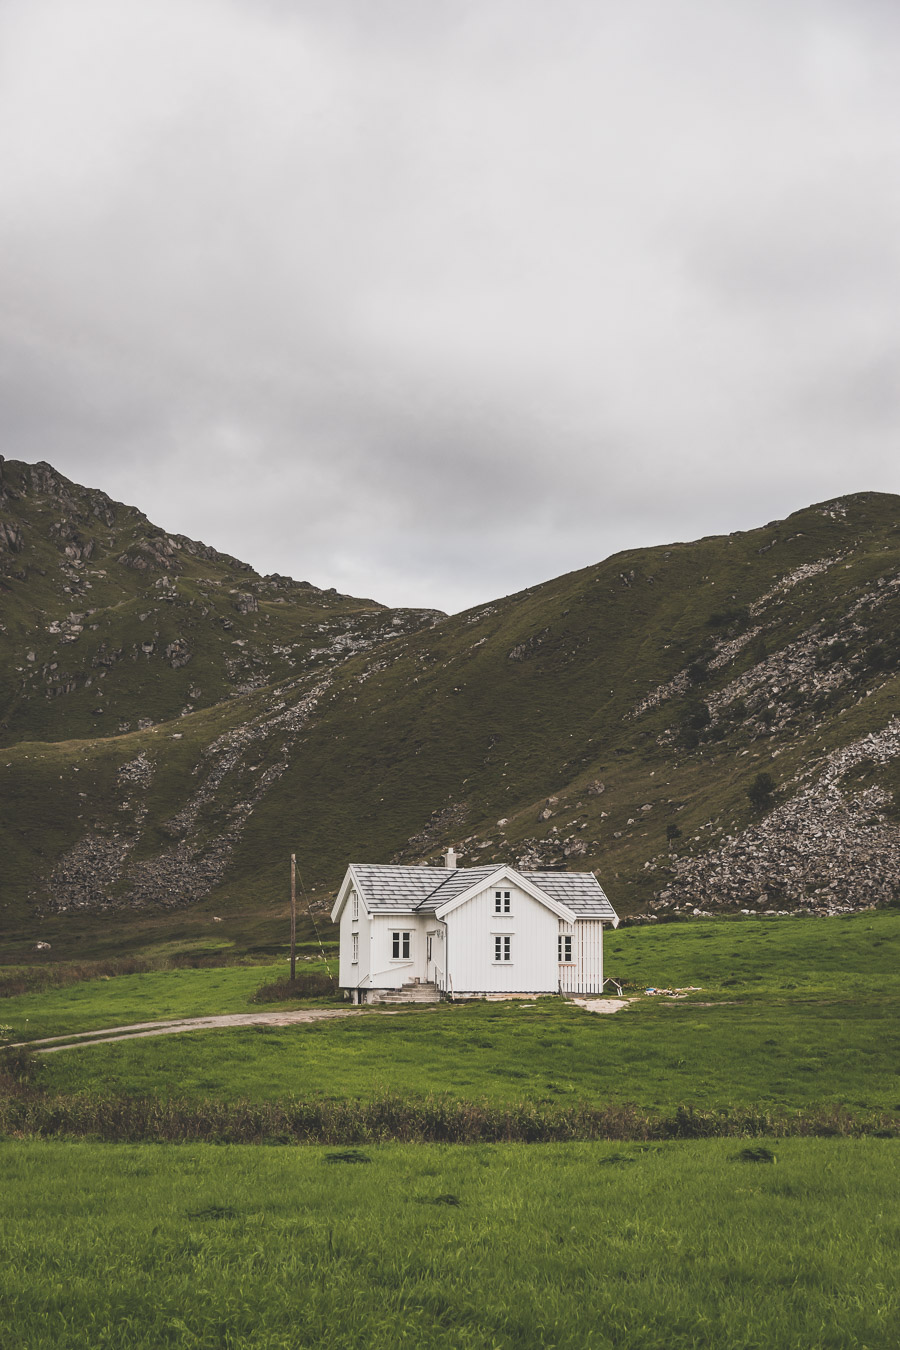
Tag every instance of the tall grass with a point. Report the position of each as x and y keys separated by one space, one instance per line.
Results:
x=433 y=1119
x=33 y=979
x=307 y=984
x=668 y=1246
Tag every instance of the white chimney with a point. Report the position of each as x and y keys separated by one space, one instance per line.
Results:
x=450 y=858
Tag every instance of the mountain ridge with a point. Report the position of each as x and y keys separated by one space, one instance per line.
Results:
x=615 y=718
x=74 y=563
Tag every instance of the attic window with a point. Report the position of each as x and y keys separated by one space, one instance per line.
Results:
x=354 y=900
x=502 y=902
x=565 y=947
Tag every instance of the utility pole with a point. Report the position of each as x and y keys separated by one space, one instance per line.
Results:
x=293 y=917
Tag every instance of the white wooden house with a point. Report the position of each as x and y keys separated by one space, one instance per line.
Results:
x=464 y=931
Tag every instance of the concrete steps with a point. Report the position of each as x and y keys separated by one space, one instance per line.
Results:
x=412 y=993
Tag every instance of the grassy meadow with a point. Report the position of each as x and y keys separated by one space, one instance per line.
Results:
x=576 y=1247
x=783 y=1057
x=646 y=1235
x=150 y=996
x=791 y=1015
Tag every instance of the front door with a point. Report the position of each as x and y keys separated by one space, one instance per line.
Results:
x=429 y=967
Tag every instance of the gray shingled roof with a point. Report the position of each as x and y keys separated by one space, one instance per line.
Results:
x=392 y=890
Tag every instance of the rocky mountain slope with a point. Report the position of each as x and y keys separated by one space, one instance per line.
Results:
x=714 y=724
x=108 y=623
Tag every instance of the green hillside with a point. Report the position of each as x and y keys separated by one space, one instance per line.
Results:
x=108 y=623
x=617 y=718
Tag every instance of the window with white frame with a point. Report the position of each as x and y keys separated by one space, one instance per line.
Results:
x=400 y=944
x=502 y=947
x=355 y=905
x=354 y=954
x=502 y=902
x=564 y=947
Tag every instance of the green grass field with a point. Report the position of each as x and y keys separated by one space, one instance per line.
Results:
x=795 y=959
x=575 y=1247
x=153 y=996
x=791 y=1014
x=652 y=1246
x=846 y=956
x=786 y=1055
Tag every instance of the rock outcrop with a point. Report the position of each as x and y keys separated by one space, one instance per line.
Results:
x=829 y=848
x=102 y=872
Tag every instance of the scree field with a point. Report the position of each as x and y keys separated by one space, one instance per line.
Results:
x=713 y=1170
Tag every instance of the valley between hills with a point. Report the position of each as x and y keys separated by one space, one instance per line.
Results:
x=711 y=726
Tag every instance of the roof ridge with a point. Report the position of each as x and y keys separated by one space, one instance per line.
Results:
x=441 y=883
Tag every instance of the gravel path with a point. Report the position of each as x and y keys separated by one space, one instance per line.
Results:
x=75 y=1040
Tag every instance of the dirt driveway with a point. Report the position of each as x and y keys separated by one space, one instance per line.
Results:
x=74 y=1041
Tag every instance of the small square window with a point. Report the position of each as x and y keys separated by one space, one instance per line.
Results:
x=502 y=947
x=502 y=902
x=564 y=947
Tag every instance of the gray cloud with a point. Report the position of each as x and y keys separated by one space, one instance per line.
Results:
x=433 y=302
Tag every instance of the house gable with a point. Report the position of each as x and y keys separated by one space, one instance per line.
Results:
x=511 y=877
x=350 y=883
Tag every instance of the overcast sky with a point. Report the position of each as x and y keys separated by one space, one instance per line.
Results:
x=430 y=301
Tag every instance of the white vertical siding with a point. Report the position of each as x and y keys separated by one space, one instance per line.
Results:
x=384 y=971
x=351 y=975
x=438 y=932
x=569 y=974
x=585 y=973
x=471 y=930
x=377 y=968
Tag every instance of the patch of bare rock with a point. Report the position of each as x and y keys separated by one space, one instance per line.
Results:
x=101 y=872
x=829 y=849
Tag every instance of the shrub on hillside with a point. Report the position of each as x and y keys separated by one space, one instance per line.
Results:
x=308 y=984
x=695 y=719
x=762 y=791
x=730 y=618
x=18 y=1065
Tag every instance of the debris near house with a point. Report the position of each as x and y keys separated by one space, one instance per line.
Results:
x=603 y=1006
x=675 y=993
